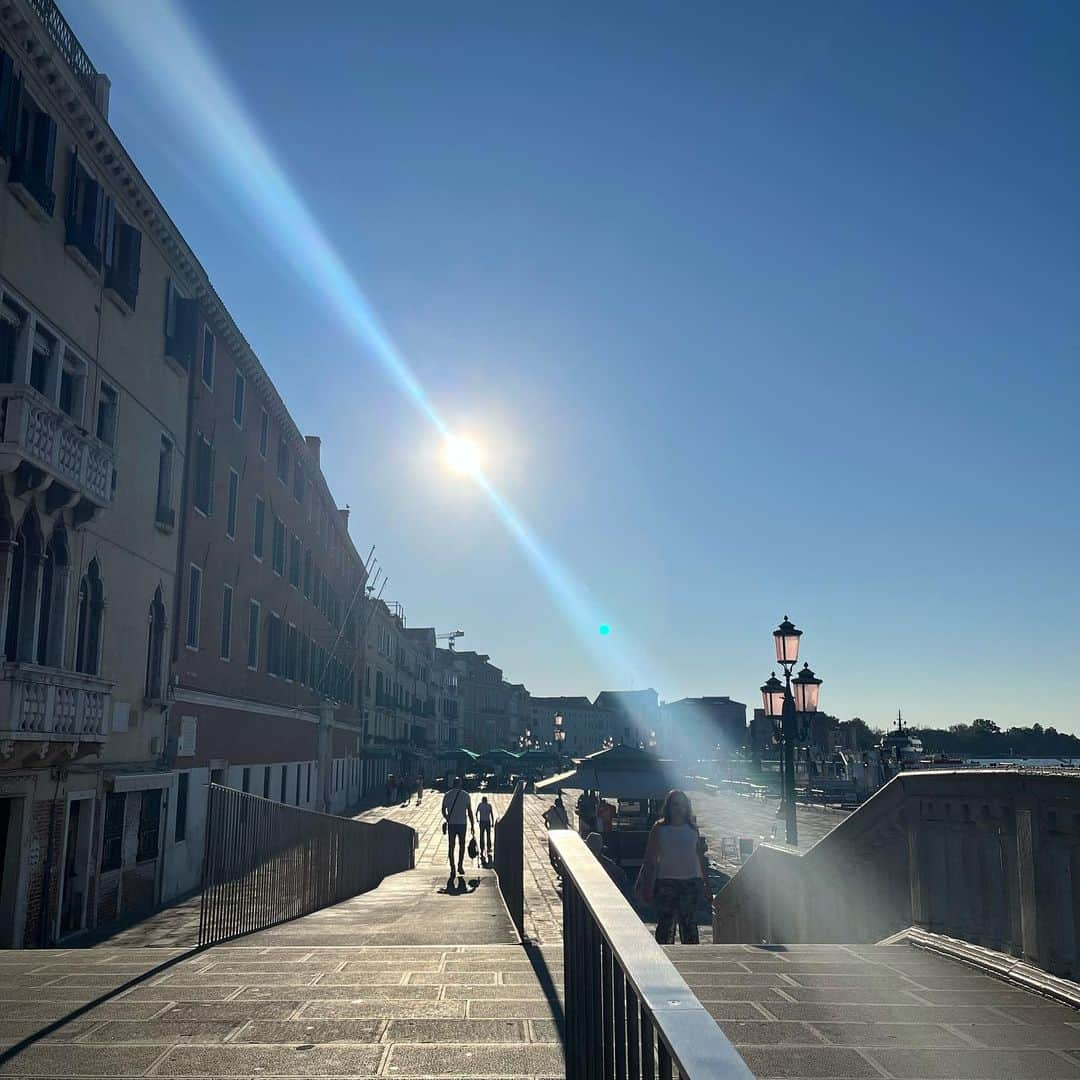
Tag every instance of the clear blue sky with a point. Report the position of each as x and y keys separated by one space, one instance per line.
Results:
x=756 y=308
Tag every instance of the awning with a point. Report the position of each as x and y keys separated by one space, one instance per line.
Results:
x=139 y=781
x=652 y=783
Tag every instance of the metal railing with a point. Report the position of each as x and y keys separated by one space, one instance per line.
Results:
x=266 y=863
x=63 y=37
x=629 y=1013
x=510 y=858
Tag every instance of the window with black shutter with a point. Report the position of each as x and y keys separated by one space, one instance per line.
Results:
x=9 y=104
x=87 y=213
x=9 y=334
x=112 y=837
x=204 y=475
x=181 y=318
x=33 y=155
x=123 y=262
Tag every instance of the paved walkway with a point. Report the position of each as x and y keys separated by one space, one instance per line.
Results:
x=833 y=1011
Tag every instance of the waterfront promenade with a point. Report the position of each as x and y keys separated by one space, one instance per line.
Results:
x=417 y=980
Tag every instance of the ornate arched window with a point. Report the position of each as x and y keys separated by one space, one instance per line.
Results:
x=52 y=601
x=91 y=616
x=155 y=648
x=20 y=634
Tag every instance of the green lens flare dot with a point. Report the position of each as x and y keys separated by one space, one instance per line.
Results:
x=604 y=629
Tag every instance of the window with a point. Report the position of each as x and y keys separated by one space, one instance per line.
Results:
x=278 y=540
x=266 y=781
x=260 y=521
x=253 y=634
x=72 y=381
x=238 y=400
x=299 y=481
x=230 y=510
x=34 y=155
x=245 y=780
x=264 y=433
x=88 y=211
x=181 y=316
x=194 y=605
x=149 y=821
x=284 y=780
x=9 y=336
x=41 y=362
x=305 y=657
x=108 y=400
x=295 y=548
x=123 y=260
x=283 y=459
x=204 y=475
x=155 y=648
x=274 y=645
x=296 y=799
x=91 y=613
x=226 y=623
x=307 y=797
x=291 y=649
x=164 y=514
x=180 y=828
x=209 y=345
x=112 y=837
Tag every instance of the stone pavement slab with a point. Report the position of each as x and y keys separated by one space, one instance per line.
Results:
x=881 y=1014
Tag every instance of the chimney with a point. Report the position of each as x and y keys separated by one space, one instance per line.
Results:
x=314 y=445
x=102 y=86
x=344 y=512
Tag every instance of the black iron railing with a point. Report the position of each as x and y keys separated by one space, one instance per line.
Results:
x=63 y=37
x=629 y=1013
x=266 y=863
x=510 y=858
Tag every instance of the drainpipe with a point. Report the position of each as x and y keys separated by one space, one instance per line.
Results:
x=43 y=915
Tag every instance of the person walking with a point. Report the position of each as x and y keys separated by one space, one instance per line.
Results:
x=674 y=873
x=485 y=814
x=419 y=789
x=456 y=812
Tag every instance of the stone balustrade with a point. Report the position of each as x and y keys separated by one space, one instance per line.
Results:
x=988 y=856
x=35 y=431
x=46 y=705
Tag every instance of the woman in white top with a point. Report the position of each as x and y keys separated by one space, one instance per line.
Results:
x=675 y=874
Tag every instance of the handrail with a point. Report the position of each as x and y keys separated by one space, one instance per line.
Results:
x=266 y=863
x=629 y=1013
x=510 y=858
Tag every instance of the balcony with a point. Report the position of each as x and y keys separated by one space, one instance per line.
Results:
x=47 y=449
x=46 y=706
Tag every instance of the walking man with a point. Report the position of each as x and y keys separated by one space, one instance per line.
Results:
x=485 y=812
x=419 y=789
x=456 y=811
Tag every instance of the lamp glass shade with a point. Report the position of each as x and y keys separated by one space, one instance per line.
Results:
x=558 y=720
x=805 y=689
x=786 y=638
x=772 y=696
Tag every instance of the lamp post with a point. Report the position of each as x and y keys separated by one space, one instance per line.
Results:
x=560 y=736
x=787 y=704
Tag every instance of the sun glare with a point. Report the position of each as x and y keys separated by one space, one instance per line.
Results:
x=462 y=455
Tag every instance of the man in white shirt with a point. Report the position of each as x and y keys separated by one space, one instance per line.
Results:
x=456 y=812
x=486 y=814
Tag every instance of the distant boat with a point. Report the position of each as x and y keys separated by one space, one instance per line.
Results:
x=900 y=745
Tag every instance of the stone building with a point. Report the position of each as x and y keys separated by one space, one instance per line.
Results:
x=486 y=723
x=93 y=409
x=266 y=659
x=588 y=727
x=637 y=714
x=449 y=705
x=702 y=727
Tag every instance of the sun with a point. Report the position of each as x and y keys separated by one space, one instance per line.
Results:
x=462 y=455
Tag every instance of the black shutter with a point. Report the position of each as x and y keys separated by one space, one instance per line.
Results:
x=186 y=318
x=73 y=187
x=7 y=351
x=9 y=104
x=44 y=147
x=132 y=259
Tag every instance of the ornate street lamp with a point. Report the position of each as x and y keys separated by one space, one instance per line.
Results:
x=560 y=735
x=787 y=704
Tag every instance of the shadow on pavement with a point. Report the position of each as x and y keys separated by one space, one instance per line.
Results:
x=547 y=984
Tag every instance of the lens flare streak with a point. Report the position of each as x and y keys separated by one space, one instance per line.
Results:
x=187 y=80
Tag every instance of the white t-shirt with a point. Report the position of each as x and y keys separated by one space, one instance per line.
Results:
x=456 y=803
x=485 y=812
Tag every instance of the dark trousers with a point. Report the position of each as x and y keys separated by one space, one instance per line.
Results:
x=456 y=832
x=677 y=901
x=485 y=831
